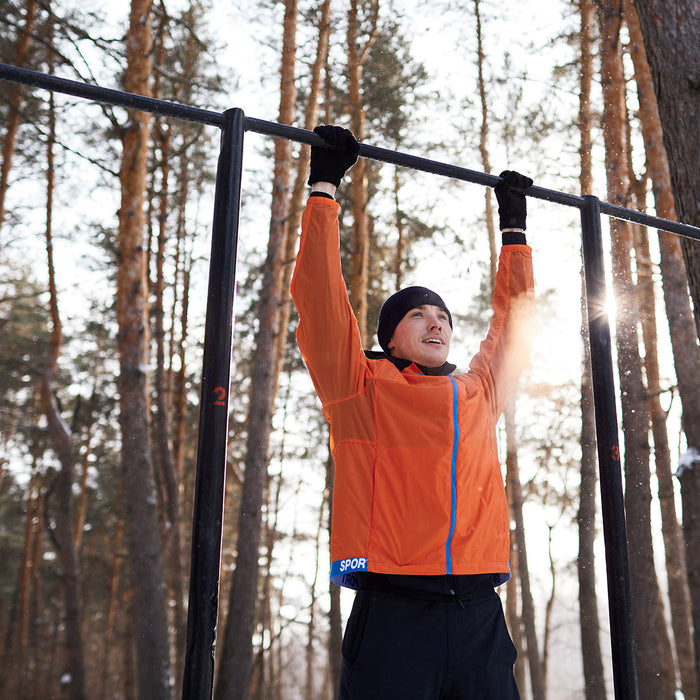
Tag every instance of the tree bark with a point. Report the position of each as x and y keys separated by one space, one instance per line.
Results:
x=679 y=597
x=17 y=643
x=635 y=416
x=335 y=631
x=163 y=452
x=62 y=441
x=662 y=461
x=589 y=619
x=400 y=249
x=359 y=263
x=106 y=651
x=689 y=475
x=16 y=94
x=537 y=684
x=670 y=31
x=483 y=144
x=162 y=424
x=141 y=520
x=296 y=203
x=522 y=623
x=311 y=662
x=237 y=653
x=183 y=267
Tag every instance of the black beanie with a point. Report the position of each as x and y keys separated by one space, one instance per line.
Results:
x=398 y=305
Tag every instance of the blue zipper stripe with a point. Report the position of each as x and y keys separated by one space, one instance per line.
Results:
x=453 y=478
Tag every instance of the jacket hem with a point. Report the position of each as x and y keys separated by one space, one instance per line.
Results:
x=344 y=572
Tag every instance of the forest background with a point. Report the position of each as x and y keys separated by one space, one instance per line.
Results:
x=105 y=222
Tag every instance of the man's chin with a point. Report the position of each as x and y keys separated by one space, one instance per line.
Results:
x=432 y=362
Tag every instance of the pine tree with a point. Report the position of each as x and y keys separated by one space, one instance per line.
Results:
x=594 y=677
x=142 y=531
x=671 y=47
x=685 y=351
x=237 y=657
x=635 y=417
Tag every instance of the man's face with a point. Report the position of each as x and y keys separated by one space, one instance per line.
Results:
x=422 y=336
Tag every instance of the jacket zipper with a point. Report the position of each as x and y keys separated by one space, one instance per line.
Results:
x=453 y=478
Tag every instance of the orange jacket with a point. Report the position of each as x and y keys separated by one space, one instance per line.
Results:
x=418 y=485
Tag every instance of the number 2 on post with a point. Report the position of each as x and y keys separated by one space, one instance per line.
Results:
x=220 y=393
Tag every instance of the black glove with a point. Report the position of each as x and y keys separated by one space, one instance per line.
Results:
x=512 y=206
x=330 y=164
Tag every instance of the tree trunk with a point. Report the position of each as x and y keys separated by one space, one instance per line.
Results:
x=635 y=416
x=311 y=662
x=237 y=653
x=549 y=608
x=400 y=249
x=689 y=475
x=107 y=649
x=335 y=631
x=512 y=611
x=539 y=692
x=82 y=505
x=16 y=92
x=162 y=425
x=483 y=144
x=296 y=204
x=359 y=263
x=670 y=31
x=141 y=520
x=183 y=266
x=266 y=678
x=589 y=619
x=662 y=460
x=35 y=626
x=162 y=418
x=672 y=535
x=17 y=641
x=62 y=441
x=521 y=624
x=31 y=523
x=177 y=380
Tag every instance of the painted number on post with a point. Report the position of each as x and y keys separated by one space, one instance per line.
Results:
x=220 y=393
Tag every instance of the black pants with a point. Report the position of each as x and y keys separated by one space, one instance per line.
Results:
x=426 y=645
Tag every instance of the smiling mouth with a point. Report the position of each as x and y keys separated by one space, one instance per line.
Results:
x=433 y=341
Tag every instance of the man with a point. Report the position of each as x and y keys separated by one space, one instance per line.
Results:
x=420 y=522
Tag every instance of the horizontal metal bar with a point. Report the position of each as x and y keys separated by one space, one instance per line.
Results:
x=639 y=217
x=439 y=168
x=407 y=160
x=109 y=96
x=204 y=116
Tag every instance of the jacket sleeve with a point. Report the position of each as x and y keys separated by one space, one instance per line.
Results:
x=327 y=334
x=505 y=351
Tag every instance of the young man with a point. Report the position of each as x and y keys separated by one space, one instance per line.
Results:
x=420 y=522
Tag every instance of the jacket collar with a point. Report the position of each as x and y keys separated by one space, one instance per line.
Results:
x=401 y=364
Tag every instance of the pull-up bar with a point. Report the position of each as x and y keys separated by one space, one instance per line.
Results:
x=198 y=680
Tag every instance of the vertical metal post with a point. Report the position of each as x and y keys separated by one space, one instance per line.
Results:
x=612 y=500
x=198 y=678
